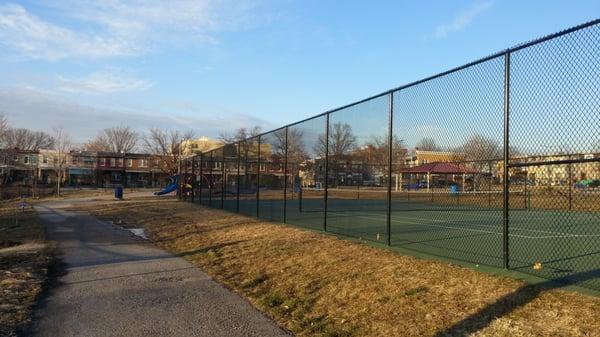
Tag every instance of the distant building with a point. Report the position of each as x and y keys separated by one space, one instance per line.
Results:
x=420 y=157
x=200 y=145
x=82 y=168
x=18 y=166
x=49 y=163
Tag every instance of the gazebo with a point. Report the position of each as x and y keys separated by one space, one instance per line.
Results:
x=440 y=168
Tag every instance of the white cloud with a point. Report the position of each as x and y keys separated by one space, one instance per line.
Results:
x=38 y=39
x=95 y=29
x=103 y=82
x=39 y=110
x=462 y=20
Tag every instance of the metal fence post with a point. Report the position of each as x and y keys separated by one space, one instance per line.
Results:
x=326 y=194
x=187 y=177
x=570 y=182
x=223 y=180
x=238 y=180
x=200 y=183
x=506 y=188
x=179 y=177
x=285 y=176
x=193 y=176
x=258 y=179
x=389 y=163
x=210 y=181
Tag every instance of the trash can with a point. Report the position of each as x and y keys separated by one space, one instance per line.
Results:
x=453 y=188
x=119 y=192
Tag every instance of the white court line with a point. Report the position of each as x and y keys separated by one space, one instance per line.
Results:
x=560 y=235
x=520 y=229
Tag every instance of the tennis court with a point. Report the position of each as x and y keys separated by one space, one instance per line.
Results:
x=440 y=224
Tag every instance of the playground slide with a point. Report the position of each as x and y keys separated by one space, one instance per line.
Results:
x=170 y=188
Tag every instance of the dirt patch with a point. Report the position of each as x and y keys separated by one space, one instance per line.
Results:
x=24 y=262
x=319 y=285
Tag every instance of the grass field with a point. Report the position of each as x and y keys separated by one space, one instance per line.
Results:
x=24 y=261
x=318 y=285
x=561 y=244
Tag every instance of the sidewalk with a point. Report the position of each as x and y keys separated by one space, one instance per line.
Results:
x=116 y=284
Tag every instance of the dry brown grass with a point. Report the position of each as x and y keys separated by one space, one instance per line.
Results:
x=319 y=285
x=24 y=261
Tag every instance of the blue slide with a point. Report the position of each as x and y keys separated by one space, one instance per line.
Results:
x=172 y=186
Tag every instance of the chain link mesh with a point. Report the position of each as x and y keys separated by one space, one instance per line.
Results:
x=442 y=190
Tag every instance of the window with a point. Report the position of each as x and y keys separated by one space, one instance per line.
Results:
x=74 y=161
x=129 y=162
x=102 y=161
x=120 y=162
x=113 y=162
x=45 y=160
x=262 y=167
x=143 y=163
x=26 y=160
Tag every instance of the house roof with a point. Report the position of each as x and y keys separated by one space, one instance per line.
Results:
x=440 y=168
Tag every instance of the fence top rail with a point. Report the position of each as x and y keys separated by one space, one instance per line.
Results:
x=444 y=73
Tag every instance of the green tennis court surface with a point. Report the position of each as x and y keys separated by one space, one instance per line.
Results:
x=567 y=243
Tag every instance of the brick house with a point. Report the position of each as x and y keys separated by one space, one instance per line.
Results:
x=18 y=166
x=82 y=168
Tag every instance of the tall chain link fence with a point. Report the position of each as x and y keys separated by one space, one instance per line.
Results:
x=496 y=163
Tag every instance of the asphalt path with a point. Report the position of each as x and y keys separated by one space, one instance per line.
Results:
x=117 y=284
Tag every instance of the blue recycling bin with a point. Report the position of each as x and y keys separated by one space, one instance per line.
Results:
x=453 y=188
x=119 y=192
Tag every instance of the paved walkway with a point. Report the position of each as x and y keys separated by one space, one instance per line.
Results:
x=119 y=285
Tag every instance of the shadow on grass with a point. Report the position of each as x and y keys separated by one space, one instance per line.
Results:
x=510 y=302
x=56 y=269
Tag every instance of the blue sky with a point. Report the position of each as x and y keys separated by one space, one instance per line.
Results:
x=218 y=65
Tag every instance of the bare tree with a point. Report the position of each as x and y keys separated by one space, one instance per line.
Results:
x=481 y=153
x=239 y=135
x=428 y=144
x=98 y=144
x=341 y=141
x=166 y=146
x=295 y=144
x=62 y=147
x=378 y=152
x=25 y=139
x=481 y=148
x=118 y=139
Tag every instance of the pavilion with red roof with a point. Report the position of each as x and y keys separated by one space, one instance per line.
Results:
x=439 y=168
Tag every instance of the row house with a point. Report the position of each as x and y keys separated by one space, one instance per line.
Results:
x=49 y=163
x=559 y=171
x=18 y=166
x=80 y=168
x=130 y=170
